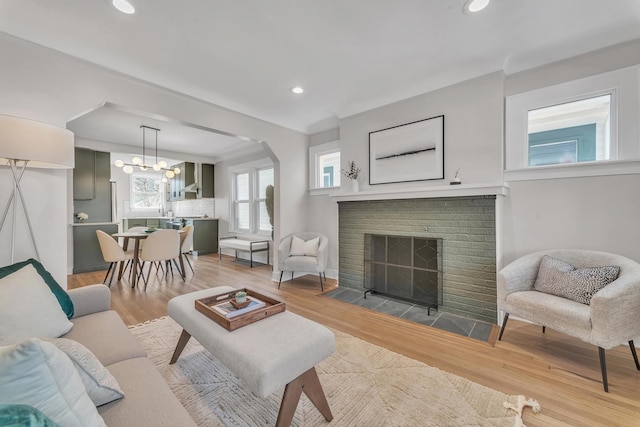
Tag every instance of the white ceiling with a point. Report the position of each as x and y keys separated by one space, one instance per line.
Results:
x=117 y=125
x=350 y=56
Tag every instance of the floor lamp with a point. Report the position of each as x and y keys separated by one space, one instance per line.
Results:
x=30 y=144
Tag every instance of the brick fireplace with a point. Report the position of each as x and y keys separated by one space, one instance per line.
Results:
x=465 y=226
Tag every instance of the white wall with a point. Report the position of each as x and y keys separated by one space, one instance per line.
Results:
x=473 y=113
x=223 y=189
x=598 y=213
x=322 y=211
x=40 y=84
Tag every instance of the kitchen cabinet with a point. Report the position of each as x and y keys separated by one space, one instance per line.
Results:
x=207 y=182
x=187 y=176
x=127 y=223
x=205 y=236
x=184 y=178
x=91 y=185
x=87 y=255
x=84 y=178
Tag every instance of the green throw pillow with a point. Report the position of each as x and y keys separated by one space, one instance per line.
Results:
x=61 y=295
x=13 y=415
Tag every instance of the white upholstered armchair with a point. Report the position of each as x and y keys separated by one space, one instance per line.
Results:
x=611 y=318
x=301 y=252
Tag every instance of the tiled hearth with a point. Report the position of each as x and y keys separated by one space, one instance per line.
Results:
x=415 y=313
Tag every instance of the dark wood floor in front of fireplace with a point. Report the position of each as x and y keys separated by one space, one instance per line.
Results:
x=415 y=313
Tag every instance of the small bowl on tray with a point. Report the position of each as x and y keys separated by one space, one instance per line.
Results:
x=239 y=305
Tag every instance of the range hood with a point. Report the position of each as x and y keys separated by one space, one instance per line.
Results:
x=197 y=177
x=192 y=188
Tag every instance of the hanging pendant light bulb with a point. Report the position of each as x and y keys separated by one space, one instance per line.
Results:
x=141 y=163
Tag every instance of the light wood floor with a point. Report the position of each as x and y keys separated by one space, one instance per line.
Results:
x=562 y=373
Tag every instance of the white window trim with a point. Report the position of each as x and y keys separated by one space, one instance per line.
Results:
x=315 y=152
x=132 y=208
x=251 y=168
x=622 y=84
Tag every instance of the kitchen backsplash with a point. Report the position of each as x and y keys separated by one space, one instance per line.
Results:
x=193 y=207
x=198 y=207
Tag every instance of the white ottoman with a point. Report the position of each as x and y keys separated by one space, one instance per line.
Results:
x=281 y=350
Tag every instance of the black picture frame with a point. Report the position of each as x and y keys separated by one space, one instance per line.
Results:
x=409 y=152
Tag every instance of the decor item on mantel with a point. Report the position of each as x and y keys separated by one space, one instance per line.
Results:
x=456 y=180
x=142 y=162
x=410 y=152
x=82 y=217
x=352 y=172
x=27 y=143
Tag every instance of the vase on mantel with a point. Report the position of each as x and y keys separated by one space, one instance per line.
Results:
x=355 y=186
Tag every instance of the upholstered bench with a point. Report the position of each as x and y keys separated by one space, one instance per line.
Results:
x=279 y=351
x=244 y=245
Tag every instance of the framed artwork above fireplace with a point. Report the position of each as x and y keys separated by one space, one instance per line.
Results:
x=409 y=152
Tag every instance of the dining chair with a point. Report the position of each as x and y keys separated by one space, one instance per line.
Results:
x=186 y=242
x=112 y=253
x=161 y=245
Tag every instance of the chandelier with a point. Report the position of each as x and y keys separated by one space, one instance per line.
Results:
x=141 y=163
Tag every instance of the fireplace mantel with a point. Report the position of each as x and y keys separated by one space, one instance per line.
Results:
x=462 y=190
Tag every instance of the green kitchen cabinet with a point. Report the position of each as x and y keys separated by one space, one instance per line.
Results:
x=154 y=222
x=84 y=177
x=181 y=180
x=205 y=236
x=127 y=223
x=87 y=255
x=207 y=182
x=91 y=185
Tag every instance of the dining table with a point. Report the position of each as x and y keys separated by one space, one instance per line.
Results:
x=137 y=236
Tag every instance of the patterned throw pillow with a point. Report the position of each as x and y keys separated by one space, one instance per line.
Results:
x=101 y=385
x=558 y=278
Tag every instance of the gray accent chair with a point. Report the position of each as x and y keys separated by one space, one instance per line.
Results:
x=307 y=264
x=610 y=320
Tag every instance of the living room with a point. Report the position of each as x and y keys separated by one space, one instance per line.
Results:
x=590 y=208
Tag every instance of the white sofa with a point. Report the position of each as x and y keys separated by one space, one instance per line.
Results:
x=148 y=399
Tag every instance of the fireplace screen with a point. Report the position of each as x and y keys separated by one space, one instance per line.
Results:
x=404 y=267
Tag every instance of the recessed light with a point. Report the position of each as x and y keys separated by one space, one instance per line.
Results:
x=297 y=90
x=473 y=6
x=124 y=6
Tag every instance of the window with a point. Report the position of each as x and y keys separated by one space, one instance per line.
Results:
x=572 y=132
x=584 y=127
x=324 y=166
x=249 y=207
x=146 y=191
x=241 y=201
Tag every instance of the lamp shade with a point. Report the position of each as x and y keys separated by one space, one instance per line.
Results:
x=43 y=145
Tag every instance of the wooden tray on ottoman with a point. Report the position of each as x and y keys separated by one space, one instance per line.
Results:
x=205 y=306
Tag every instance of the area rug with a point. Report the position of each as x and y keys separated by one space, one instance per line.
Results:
x=366 y=385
